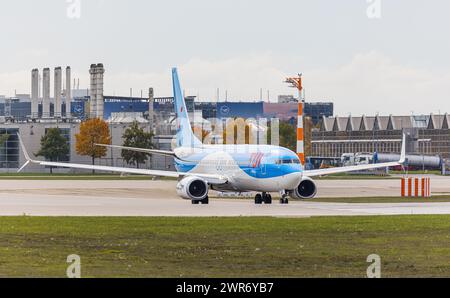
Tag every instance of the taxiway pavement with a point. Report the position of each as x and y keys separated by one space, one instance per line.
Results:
x=158 y=198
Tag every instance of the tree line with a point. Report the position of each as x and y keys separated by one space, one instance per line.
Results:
x=55 y=146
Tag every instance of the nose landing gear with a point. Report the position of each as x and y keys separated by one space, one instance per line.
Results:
x=284 y=201
x=205 y=201
x=284 y=198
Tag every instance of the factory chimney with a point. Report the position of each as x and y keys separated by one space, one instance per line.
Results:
x=97 y=102
x=46 y=94
x=68 y=97
x=151 y=113
x=93 y=92
x=99 y=90
x=34 y=93
x=57 y=94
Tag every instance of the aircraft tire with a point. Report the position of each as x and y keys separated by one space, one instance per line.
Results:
x=258 y=199
x=268 y=199
x=284 y=201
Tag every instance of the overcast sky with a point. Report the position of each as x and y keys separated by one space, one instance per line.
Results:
x=394 y=60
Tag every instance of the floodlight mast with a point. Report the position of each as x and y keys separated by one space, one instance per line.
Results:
x=296 y=82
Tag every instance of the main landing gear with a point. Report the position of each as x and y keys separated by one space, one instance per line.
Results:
x=205 y=201
x=263 y=198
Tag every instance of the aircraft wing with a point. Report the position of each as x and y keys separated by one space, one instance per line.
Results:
x=321 y=172
x=329 y=171
x=143 y=150
x=210 y=178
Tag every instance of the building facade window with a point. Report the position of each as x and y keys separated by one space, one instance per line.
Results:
x=9 y=150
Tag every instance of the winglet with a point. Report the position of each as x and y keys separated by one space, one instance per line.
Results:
x=403 y=153
x=25 y=153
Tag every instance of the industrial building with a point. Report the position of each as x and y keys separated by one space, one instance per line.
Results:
x=426 y=134
x=32 y=115
x=64 y=105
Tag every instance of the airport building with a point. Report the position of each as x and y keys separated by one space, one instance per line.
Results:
x=426 y=135
x=18 y=110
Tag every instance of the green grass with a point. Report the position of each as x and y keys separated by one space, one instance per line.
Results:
x=409 y=246
x=418 y=172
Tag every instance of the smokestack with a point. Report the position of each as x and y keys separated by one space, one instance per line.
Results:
x=58 y=89
x=68 y=92
x=99 y=93
x=34 y=93
x=151 y=113
x=93 y=92
x=46 y=93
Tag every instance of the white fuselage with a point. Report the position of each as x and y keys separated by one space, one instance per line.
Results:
x=246 y=167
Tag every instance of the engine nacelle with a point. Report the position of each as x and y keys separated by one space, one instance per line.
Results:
x=193 y=188
x=307 y=189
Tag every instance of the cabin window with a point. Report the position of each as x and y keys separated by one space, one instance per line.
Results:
x=287 y=161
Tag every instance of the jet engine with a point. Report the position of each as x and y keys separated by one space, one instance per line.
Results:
x=193 y=188
x=307 y=189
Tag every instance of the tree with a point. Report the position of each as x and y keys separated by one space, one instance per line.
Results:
x=287 y=134
x=54 y=146
x=136 y=137
x=200 y=133
x=309 y=125
x=3 y=139
x=240 y=132
x=93 y=131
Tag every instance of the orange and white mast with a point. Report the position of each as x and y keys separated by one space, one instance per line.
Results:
x=297 y=83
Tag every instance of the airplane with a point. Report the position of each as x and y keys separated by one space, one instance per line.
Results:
x=263 y=169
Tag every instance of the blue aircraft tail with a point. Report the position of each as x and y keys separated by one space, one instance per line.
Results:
x=185 y=135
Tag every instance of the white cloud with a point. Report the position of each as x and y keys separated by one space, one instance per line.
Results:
x=373 y=83
x=242 y=77
x=369 y=83
x=19 y=80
